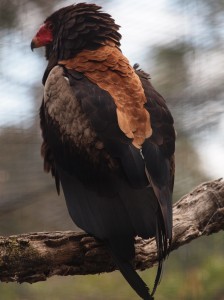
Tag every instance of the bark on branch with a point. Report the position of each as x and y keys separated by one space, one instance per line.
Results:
x=36 y=256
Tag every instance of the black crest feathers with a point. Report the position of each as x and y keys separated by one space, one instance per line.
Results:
x=81 y=26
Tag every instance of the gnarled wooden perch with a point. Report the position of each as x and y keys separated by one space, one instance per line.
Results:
x=34 y=257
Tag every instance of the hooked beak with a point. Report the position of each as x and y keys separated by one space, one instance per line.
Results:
x=35 y=43
x=32 y=45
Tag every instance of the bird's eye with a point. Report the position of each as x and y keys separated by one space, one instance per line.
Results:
x=50 y=26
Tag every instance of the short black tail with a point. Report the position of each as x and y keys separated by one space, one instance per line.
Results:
x=132 y=277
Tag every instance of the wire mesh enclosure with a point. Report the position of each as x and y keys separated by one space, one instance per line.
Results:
x=180 y=44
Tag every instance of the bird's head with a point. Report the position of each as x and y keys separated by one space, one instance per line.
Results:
x=71 y=29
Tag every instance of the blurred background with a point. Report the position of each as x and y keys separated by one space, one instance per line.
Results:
x=180 y=43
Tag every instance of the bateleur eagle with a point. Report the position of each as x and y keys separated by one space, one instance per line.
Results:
x=108 y=137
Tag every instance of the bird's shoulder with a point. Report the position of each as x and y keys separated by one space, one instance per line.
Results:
x=111 y=71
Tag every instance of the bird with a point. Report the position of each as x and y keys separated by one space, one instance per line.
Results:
x=108 y=137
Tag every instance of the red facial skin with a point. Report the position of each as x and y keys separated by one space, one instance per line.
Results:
x=43 y=37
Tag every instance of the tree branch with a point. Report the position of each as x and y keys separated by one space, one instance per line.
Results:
x=36 y=256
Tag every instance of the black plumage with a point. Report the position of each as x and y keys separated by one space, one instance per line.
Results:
x=114 y=190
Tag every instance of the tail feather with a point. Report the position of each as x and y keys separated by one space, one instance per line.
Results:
x=163 y=249
x=158 y=276
x=132 y=276
x=116 y=220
